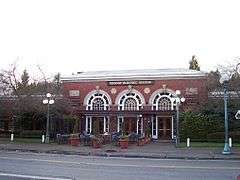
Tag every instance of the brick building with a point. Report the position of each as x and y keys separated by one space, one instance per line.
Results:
x=140 y=101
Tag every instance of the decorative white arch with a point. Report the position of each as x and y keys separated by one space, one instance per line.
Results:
x=130 y=99
x=97 y=98
x=163 y=99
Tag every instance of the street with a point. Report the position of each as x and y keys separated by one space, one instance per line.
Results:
x=19 y=165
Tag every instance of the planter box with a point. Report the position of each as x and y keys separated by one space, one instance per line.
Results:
x=96 y=143
x=74 y=141
x=141 y=141
x=123 y=143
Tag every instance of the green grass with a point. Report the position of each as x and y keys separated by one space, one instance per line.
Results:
x=207 y=145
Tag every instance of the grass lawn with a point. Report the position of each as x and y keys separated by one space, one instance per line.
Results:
x=207 y=145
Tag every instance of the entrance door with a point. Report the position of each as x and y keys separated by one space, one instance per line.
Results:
x=130 y=124
x=164 y=127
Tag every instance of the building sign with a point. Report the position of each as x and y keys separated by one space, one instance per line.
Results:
x=122 y=83
x=191 y=91
x=74 y=93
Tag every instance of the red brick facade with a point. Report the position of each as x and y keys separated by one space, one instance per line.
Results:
x=78 y=90
x=181 y=84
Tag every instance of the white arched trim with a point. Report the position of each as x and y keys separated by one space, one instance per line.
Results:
x=126 y=94
x=90 y=94
x=95 y=94
x=159 y=94
x=119 y=96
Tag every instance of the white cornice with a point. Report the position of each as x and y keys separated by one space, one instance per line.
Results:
x=148 y=74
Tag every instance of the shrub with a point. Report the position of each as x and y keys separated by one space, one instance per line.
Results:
x=219 y=136
x=198 y=126
x=31 y=134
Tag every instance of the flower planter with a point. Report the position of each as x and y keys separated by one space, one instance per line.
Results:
x=96 y=143
x=141 y=142
x=74 y=141
x=123 y=143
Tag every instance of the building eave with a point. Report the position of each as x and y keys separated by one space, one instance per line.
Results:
x=138 y=74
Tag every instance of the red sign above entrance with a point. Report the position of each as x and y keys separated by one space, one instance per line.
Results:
x=122 y=83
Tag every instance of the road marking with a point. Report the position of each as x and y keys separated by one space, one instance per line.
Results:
x=126 y=165
x=32 y=177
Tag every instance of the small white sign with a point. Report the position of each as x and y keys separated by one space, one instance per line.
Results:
x=191 y=91
x=74 y=93
x=237 y=115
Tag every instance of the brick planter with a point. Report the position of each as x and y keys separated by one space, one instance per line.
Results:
x=74 y=141
x=123 y=143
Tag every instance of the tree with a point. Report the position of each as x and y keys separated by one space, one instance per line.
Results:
x=23 y=86
x=27 y=96
x=193 y=64
x=213 y=78
x=57 y=84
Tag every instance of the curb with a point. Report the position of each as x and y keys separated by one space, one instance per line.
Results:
x=120 y=155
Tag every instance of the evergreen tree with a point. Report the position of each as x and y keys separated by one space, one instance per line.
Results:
x=57 y=83
x=213 y=78
x=193 y=64
x=25 y=78
x=23 y=84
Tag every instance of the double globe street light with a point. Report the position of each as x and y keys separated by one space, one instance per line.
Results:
x=48 y=101
x=178 y=101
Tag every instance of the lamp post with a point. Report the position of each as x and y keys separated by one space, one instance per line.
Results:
x=224 y=80
x=178 y=101
x=48 y=101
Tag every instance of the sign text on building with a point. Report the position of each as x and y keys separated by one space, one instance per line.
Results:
x=122 y=83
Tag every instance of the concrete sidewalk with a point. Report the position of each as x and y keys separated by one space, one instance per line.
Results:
x=152 y=150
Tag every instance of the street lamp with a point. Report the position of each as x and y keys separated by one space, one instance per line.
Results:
x=48 y=101
x=224 y=80
x=178 y=101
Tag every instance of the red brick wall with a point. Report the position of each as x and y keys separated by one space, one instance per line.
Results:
x=181 y=84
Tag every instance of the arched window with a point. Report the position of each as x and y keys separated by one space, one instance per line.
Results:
x=130 y=104
x=164 y=104
x=97 y=101
x=130 y=101
x=163 y=101
x=98 y=104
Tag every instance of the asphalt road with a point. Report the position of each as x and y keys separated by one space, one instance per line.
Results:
x=19 y=166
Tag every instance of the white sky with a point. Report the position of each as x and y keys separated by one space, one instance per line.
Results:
x=69 y=36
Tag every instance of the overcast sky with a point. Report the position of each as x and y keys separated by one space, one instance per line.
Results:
x=74 y=35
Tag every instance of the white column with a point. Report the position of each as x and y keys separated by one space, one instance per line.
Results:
x=86 y=125
x=172 y=127
x=120 y=121
x=104 y=124
x=142 y=126
x=137 y=124
x=156 y=127
x=118 y=124
x=152 y=126
x=107 y=124
x=90 y=124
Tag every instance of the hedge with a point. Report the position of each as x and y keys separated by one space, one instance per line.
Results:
x=31 y=134
x=205 y=128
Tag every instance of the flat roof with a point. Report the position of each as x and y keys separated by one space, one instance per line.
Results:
x=135 y=74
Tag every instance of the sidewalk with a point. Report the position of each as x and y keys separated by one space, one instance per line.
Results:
x=153 y=150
